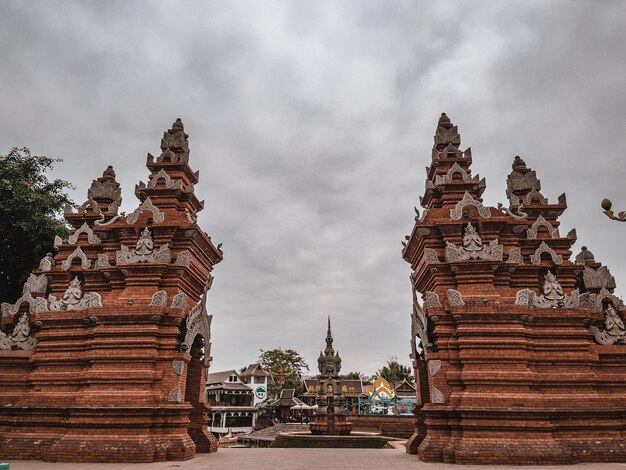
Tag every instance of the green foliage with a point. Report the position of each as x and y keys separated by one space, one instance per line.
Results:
x=31 y=215
x=395 y=372
x=354 y=376
x=285 y=366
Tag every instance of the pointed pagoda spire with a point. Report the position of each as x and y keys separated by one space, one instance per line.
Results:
x=449 y=176
x=329 y=339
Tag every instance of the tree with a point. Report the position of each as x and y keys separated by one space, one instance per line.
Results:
x=31 y=209
x=354 y=376
x=285 y=366
x=395 y=372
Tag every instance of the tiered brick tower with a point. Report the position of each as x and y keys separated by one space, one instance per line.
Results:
x=523 y=357
x=104 y=356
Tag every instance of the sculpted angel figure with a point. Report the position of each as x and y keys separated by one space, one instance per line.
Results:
x=471 y=240
x=21 y=332
x=552 y=290
x=145 y=245
x=74 y=293
x=613 y=323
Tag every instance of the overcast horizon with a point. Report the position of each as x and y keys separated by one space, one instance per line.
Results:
x=311 y=124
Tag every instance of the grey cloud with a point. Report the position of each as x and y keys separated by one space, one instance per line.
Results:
x=311 y=125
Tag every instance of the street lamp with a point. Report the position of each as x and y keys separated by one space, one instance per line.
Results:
x=606 y=205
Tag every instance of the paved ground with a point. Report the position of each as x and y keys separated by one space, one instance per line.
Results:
x=295 y=459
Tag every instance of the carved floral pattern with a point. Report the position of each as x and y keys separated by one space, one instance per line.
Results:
x=468 y=200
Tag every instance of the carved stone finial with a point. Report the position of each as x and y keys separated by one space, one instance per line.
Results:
x=518 y=163
x=444 y=121
x=585 y=256
x=109 y=173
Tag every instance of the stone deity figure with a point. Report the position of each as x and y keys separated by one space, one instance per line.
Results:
x=145 y=245
x=73 y=294
x=613 y=323
x=471 y=240
x=552 y=291
x=21 y=332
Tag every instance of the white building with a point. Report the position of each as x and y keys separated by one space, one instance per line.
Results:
x=231 y=402
x=258 y=380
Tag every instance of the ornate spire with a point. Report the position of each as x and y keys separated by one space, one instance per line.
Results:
x=522 y=185
x=174 y=144
x=329 y=338
x=329 y=361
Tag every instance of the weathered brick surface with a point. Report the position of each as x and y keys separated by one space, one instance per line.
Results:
x=507 y=382
x=389 y=425
x=121 y=382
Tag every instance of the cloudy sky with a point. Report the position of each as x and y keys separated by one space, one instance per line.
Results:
x=311 y=124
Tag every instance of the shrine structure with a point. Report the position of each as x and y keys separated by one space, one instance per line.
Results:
x=104 y=356
x=522 y=357
x=331 y=417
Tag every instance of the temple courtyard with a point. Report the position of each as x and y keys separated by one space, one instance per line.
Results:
x=284 y=459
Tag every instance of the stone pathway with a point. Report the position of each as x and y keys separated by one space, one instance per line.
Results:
x=296 y=459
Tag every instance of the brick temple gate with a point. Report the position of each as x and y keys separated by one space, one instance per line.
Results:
x=522 y=349
x=104 y=356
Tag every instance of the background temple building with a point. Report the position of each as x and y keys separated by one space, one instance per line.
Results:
x=521 y=355
x=107 y=349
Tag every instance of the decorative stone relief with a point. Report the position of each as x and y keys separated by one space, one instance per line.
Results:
x=468 y=200
x=77 y=253
x=169 y=182
x=33 y=286
x=177 y=366
x=541 y=222
x=515 y=256
x=109 y=189
x=199 y=322
x=20 y=338
x=448 y=177
x=447 y=133
x=431 y=256
x=473 y=248
x=179 y=300
x=102 y=261
x=183 y=258
x=92 y=238
x=454 y=298
x=192 y=218
x=419 y=326
x=144 y=252
x=614 y=331
x=35 y=305
x=544 y=248
x=434 y=366
x=518 y=214
x=552 y=296
x=58 y=241
x=146 y=205
x=522 y=182
x=598 y=279
x=74 y=299
x=595 y=301
x=431 y=299
x=436 y=396
x=534 y=195
x=159 y=299
x=175 y=395
x=47 y=263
